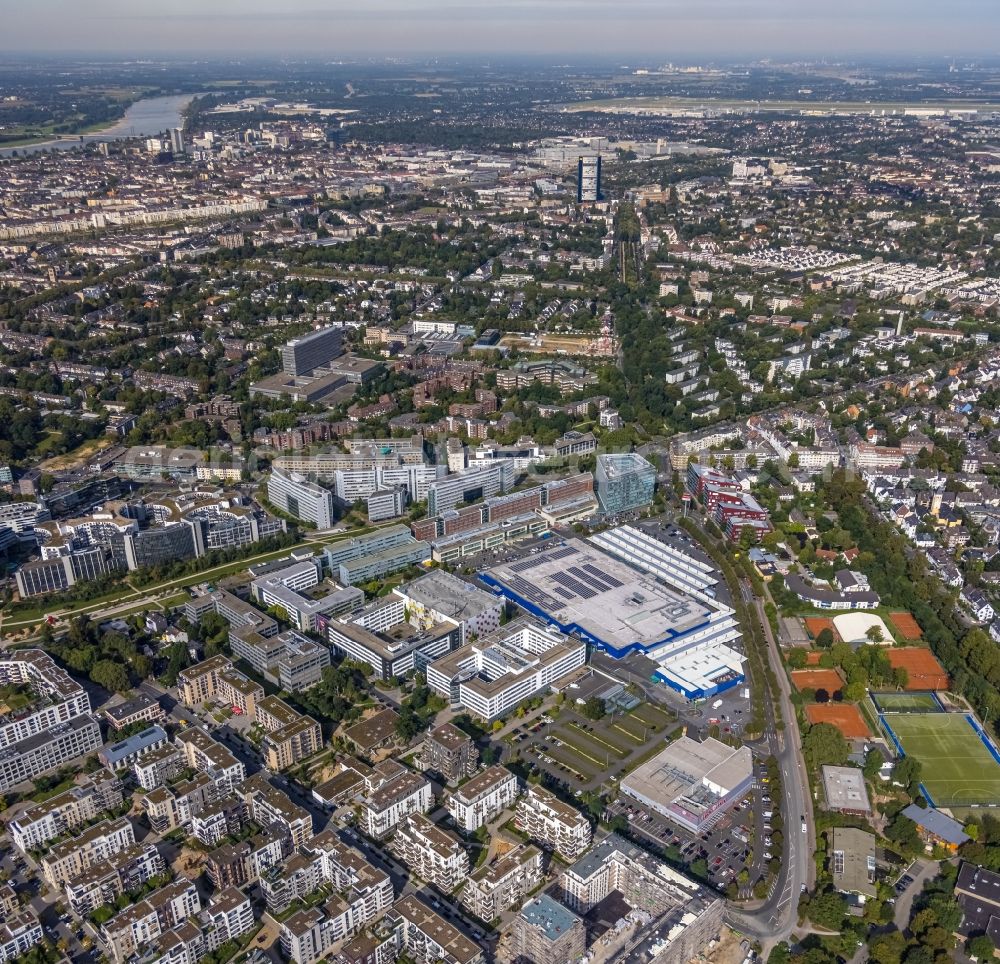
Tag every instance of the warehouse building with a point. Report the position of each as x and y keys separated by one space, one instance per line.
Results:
x=629 y=604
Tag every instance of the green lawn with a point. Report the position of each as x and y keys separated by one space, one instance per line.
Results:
x=957 y=768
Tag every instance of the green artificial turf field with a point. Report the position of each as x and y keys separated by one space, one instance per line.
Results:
x=956 y=766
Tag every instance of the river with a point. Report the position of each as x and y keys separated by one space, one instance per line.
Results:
x=146 y=117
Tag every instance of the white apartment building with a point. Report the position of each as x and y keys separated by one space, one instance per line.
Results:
x=555 y=825
x=483 y=798
x=505 y=883
x=390 y=793
x=18 y=934
x=58 y=697
x=432 y=853
x=45 y=821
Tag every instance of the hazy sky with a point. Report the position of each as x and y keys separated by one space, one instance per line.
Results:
x=648 y=28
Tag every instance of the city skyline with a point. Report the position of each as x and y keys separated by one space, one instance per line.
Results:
x=637 y=28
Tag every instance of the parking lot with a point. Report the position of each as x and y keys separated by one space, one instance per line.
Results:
x=584 y=753
x=743 y=838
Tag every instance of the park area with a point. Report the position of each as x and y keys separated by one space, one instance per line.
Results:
x=844 y=716
x=958 y=768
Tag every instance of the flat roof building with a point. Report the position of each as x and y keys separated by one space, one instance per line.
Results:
x=844 y=789
x=628 y=604
x=692 y=783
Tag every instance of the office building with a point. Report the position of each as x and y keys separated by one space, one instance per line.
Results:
x=305 y=354
x=296 y=589
x=491 y=676
x=469 y=486
x=624 y=483
x=588 y=179
x=295 y=495
x=381 y=636
x=439 y=597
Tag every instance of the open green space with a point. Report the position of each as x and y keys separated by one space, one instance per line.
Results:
x=956 y=765
x=635 y=731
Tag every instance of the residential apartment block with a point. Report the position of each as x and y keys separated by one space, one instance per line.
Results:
x=72 y=857
x=553 y=824
x=435 y=855
x=36 y=825
x=390 y=793
x=449 y=752
x=504 y=883
x=483 y=798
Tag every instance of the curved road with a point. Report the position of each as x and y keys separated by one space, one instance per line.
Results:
x=777 y=917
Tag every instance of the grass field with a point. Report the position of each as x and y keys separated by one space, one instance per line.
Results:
x=906 y=702
x=957 y=767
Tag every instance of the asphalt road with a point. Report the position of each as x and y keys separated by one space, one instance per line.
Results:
x=777 y=917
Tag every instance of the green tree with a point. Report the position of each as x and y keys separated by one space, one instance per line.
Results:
x=824 y=744
x=112 y=676
x=887 y=948
x=594 y=708
x=796 y=658
x=824 y=638
x=980 y=947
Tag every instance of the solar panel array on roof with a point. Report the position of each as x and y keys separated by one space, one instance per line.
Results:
x=566 y=580
x=602 y=576
x=524 y=588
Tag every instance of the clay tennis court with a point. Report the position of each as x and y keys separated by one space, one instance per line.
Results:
x=813 y=657
x=921 y=665
x=906 y=625
x=817 y=679
x=844 y=716
x=816 y=624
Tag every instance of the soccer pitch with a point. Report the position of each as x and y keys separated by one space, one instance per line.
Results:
x=906 y=702
x=957 y=767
